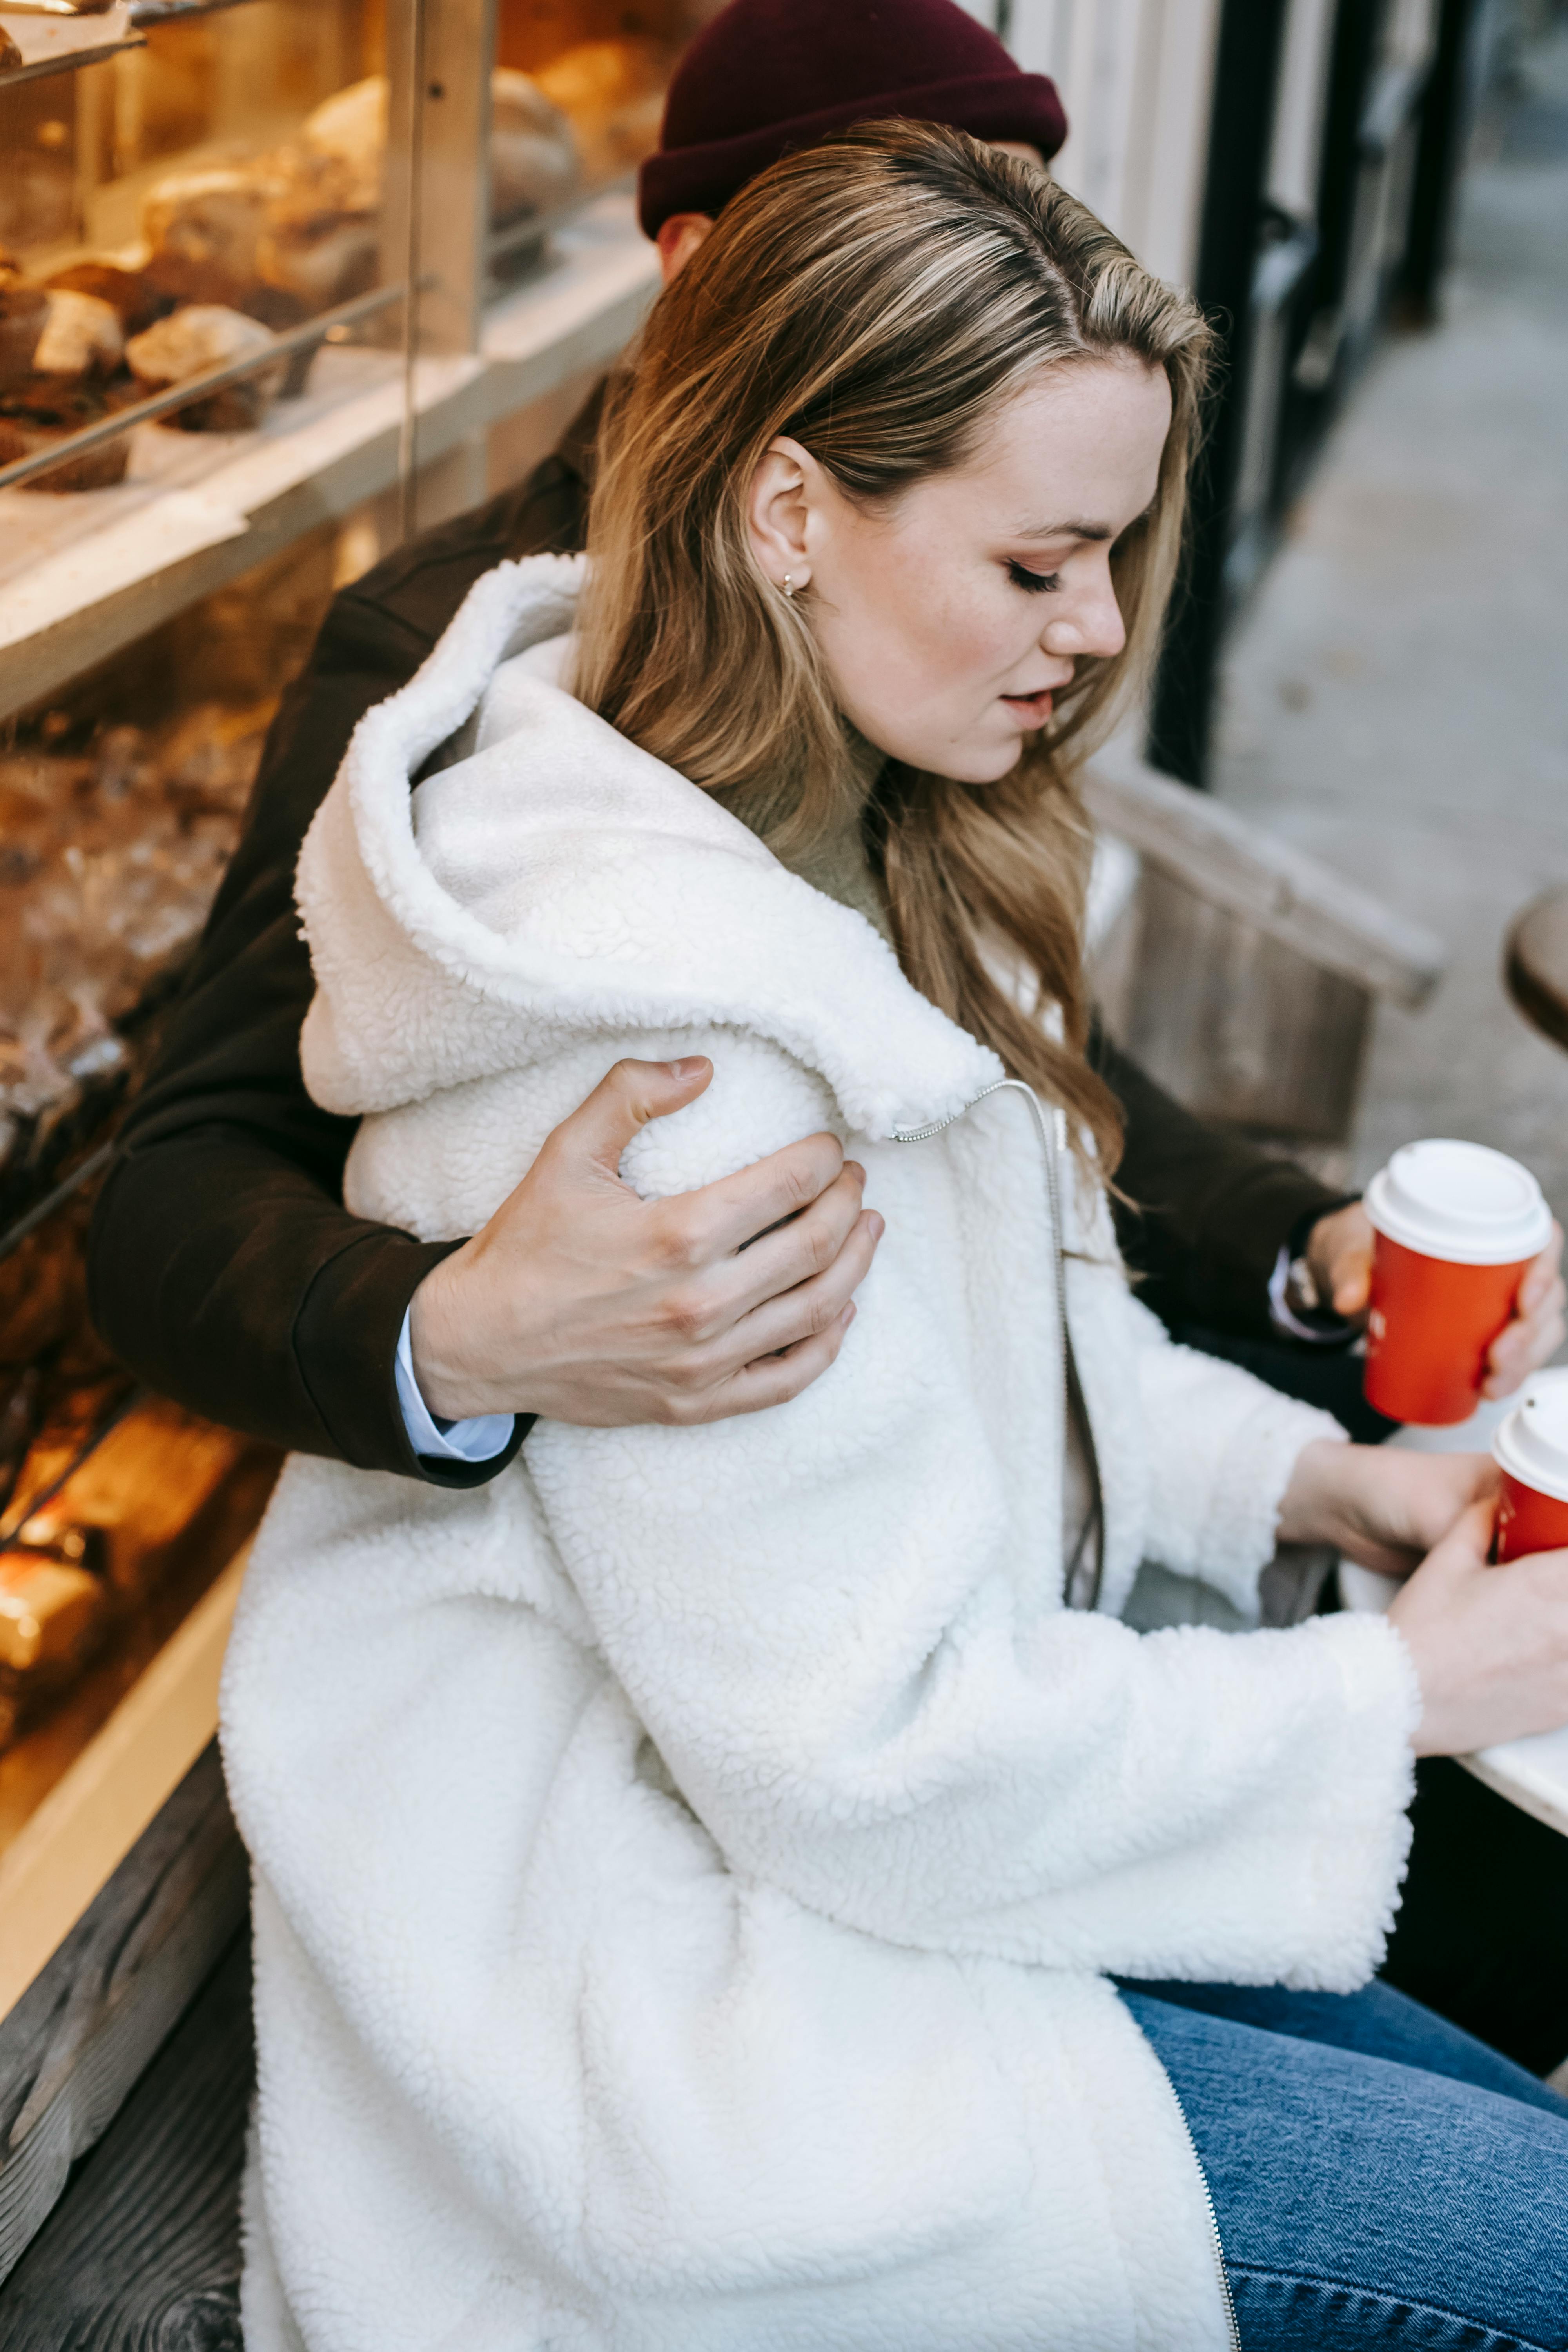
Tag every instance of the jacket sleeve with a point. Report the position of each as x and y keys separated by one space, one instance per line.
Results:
x=847 y=1651
x=1221 y=1446
x=223 y=1266
x=1205 y=1213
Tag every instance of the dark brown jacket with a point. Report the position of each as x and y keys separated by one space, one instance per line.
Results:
x=223 y=1265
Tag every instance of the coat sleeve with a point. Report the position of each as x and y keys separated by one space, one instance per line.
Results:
x=852 y=1662
x=1221 y=1446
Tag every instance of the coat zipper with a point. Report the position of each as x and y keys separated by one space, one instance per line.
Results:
x=1217 y=2244
x=1052 y=1146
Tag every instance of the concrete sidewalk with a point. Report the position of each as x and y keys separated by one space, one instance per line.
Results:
x=1396 y=700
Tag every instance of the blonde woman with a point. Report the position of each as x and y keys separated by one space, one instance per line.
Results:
x=691 y=1871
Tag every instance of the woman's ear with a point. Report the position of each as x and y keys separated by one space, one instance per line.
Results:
x=785 y=490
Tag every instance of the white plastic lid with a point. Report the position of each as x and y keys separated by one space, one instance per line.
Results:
x=1459 y=1201
x=1532 y=1443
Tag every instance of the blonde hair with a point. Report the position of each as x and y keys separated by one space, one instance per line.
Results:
x=876 y=298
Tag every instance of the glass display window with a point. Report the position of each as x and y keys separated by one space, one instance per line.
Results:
x=280 y=281
x=120 y=802
x=187 y=225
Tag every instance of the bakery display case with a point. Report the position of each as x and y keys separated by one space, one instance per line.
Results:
x=281 y=281
x=262 y=259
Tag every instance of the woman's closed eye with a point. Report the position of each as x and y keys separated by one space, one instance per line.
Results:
x=1034 y=583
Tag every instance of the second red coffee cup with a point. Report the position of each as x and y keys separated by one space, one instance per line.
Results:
x=1455 y=1225
x=1532 y=1451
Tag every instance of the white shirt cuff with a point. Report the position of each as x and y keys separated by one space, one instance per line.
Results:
x=1331 y=1332
x=479 y=1439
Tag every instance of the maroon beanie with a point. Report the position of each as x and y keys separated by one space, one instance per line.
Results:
x=767 y=76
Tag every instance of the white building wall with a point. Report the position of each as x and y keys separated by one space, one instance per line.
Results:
x=1135 y=77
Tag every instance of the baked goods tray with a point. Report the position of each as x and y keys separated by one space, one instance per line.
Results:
x=35 y=40
x=31 y=45
x=82 y=576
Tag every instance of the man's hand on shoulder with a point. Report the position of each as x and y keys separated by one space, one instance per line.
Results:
x=582 y=1302
x=1339 y=1258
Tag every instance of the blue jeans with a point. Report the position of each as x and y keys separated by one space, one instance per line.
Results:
x=1379 y=2177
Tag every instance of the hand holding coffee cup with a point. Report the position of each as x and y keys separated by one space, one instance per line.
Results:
x=1530 y=1449
x=1457 y=1226
x=1338 y=1263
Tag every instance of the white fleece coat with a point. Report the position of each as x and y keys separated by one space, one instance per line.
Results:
x=686 y=1866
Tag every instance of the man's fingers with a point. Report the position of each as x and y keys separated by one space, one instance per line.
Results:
x=1339 y=1254
x=773 y=1379
x=1352 y=1288
x=811 y=1306
x=1544 y=1276
x=793 y=1253
x=1536 y=1332
x=623 y=1102
x=722 y=1217
x=1350 y=1274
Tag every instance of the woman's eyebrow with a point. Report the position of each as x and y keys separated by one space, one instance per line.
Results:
x=1090 y=530
x=1066 y=530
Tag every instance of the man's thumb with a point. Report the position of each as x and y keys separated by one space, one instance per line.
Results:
x=1352 y=1283
x=623 y=1102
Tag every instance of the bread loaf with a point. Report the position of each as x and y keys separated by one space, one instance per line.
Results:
x=191 y=340
x=203 y=227
x=22 y=313
x=82 y=335
x=534 y=165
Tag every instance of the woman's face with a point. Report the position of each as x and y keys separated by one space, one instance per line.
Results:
x=950 y=616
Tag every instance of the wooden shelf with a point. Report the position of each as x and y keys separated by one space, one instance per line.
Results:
x=83 y=576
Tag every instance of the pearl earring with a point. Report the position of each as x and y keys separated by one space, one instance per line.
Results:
x=789 y=583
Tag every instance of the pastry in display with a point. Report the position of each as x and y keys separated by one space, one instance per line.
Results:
x=53 y=1617
x=188 y=342
x=311 y=249
x=132 y=291
x=113 y=1508
x=535 y=164
x=136 y=1492
x=139 y=1508
x=613 y=92
x=44 y=410
x=82 y=335
x=203 y=226
x=84 y=470
x=110 y=859
x=349 y=130
x=22 y=313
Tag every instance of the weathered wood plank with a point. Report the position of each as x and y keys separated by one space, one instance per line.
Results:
x=142 y=2253
x=1286 y=893
x=1237 y=1025
x=88 y=2026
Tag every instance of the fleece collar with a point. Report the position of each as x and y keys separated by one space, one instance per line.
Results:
x=563 y=874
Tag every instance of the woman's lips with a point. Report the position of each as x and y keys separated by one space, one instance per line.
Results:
x=1035 y=707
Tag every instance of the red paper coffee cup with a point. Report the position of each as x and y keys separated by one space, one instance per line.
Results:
x=1455 y=1225
x=1531 y=1449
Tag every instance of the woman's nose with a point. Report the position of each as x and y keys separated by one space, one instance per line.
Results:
x=1092 y=625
